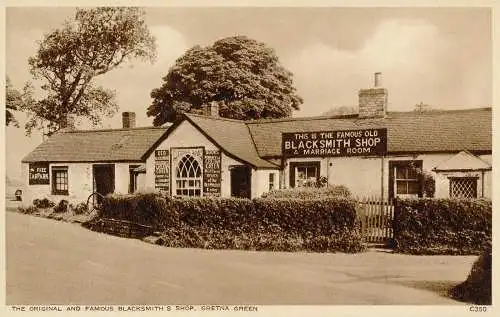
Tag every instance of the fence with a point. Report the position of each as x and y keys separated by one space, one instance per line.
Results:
x=375 y=217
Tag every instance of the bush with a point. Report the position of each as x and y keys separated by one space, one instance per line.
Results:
x=43 y=203
x=442 y=226
x=477 y=287
x=310 y=192
x=79 y=209
x=207 y=238
x=27 y=210
x=306 y=217
x=149 y=209
x=259 y=224
x=62 y=206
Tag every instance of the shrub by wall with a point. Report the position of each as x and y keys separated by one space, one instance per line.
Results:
x=61 y=211
x=442 y=226
x=43 y=203
x=321 y=225
x=331 y=191
x=149 y=209
x=477 y=288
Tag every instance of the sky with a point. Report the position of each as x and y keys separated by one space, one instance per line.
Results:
x=438 y=56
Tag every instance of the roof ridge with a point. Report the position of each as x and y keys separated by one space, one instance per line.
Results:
x=355 y=115
x=253 y=141
x=114 y=130
x=214 y=118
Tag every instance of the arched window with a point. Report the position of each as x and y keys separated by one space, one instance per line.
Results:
x=188 y=177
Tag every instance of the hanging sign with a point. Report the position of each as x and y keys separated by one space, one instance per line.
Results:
x=39 y=174
x=212 y=173
x=162 y=170
x=362 y=142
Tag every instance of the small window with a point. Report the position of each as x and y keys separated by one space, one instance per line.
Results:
x=405 y=179
x=60 y=180
x=272 y=180
x=304 y=174
x=463 y=187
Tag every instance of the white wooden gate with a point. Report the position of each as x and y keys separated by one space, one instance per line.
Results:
x=375 y=218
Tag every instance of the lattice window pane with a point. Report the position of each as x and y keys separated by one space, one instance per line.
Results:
x=189 y=176
x=463 y=187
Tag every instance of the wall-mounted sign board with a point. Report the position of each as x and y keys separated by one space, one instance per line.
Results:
x=39 y=174
x=162 y=170
x=362 y=142
x=212 y=173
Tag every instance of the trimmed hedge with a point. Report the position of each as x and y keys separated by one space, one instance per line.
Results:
x=321 y=225
x=442 y=226
x=310 y=192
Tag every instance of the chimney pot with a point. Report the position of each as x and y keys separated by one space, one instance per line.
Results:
x=377 y=79
x=128 y=120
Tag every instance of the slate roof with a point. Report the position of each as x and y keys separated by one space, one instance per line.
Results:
x=96 y=145
x=407 y=132
x=463 y=161
x=254 y=142
x=232 y=136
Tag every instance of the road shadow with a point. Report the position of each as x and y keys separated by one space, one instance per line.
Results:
x=442 y=288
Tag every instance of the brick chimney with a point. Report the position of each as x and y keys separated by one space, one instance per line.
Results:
x=373 y=101
x=211 y=109
x=128 y=120
x=67 y=123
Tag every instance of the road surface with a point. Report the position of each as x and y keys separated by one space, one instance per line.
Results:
x=50 y=262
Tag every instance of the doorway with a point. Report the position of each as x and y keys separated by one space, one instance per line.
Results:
x=104 y=178
x=241 y=181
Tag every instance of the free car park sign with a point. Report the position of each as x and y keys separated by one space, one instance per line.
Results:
x=39 y=174
x=362 y=142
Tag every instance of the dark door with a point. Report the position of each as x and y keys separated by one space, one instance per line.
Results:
x=104 y=178
x=240 y=182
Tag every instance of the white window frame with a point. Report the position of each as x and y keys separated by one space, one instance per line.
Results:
x=406 y=180
x=185 y=185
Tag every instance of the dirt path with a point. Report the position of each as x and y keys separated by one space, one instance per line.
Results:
x=51 y=262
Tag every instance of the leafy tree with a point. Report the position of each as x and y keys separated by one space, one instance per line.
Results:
x=13 y=100
x=68 y=59
x=243 y=75
x=341 y=110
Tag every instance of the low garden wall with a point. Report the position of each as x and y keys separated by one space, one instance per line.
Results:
x=442 y=226
x=319 y=225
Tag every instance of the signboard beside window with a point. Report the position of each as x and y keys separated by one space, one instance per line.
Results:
x=212 y=173
x=362 y=142
x=39 y=174
x=162 y=170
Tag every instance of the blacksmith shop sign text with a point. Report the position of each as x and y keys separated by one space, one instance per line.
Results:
x=363 y=142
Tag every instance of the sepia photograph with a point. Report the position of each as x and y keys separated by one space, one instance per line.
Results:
x=214 y=159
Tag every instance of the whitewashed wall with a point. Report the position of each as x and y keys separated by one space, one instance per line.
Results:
x=363 y=175
x=260 y=181
x=186 y=135
x=80 y=183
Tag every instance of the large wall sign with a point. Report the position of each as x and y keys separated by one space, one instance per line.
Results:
x=212 y=173
x=39 y=174
x=363 y=142
x=162 y=170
